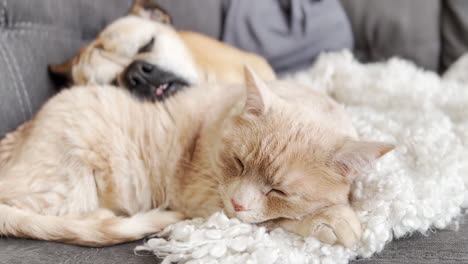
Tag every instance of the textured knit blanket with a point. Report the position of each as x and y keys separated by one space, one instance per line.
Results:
x=421 y=185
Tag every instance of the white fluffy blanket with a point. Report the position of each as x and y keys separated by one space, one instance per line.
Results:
x=422 y=184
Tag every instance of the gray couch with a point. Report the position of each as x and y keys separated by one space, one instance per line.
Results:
x=34 y=33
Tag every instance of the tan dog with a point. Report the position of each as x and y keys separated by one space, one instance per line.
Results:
x=144 y=53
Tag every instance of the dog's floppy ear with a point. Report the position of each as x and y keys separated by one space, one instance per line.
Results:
x=61 y=74
x=150 y=9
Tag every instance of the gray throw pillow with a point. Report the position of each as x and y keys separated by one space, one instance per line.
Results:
x=289 y=33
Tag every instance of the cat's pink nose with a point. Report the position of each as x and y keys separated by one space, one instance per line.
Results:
x=237 y=207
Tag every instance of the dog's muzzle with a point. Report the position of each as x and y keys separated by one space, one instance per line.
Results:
x=148 y=81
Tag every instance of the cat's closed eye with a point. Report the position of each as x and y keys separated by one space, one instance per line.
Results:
x=147 y=47
x=277 y=192
x=240 y=165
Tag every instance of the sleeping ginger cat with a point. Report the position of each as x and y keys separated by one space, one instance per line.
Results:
x=96 y=167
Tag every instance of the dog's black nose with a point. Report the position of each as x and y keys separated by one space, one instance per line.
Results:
x=138 y=74
x=148 y=81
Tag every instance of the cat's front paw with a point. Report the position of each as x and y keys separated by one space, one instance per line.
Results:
x=336 y=224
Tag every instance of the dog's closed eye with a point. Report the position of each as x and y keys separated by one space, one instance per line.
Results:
x=147 y=47
x=115 y=82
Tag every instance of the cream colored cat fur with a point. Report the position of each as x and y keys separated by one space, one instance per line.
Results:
x=97 y=167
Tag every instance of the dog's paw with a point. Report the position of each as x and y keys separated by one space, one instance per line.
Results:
x=333 y=225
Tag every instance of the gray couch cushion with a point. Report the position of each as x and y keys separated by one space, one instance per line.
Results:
x=454 y=31
x=408 y=29
x=442 y=246
x=203 y=16
x=35 y=33
x=19 y=251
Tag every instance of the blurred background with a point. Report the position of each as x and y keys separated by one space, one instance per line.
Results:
x=289 y=33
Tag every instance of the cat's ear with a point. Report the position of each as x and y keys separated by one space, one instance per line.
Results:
x=354 y=156
x=150 y=9
x=258 y=94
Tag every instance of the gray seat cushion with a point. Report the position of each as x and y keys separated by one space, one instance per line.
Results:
x=19 y=251
x=442 y=246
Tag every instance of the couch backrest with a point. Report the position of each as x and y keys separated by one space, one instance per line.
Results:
x=431 y=33
x=34 y=33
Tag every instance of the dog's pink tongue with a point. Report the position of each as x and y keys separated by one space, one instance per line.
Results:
x=160 y=90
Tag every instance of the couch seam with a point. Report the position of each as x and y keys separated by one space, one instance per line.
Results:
x=29 y=24
x=32 y=26
x=41 y=32
x=3 y=14
x=8 y=64
x=21 y=79
x=28 y=30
